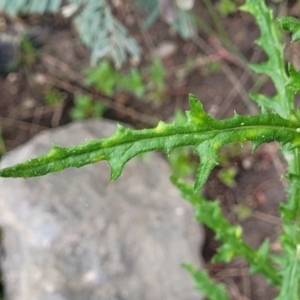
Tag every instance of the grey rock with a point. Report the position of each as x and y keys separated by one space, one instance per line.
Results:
x=74 y=235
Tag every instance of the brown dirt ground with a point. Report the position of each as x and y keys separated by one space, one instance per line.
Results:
x=58 y=63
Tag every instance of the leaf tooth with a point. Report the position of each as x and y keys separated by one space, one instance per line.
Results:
x=261 y=68
x=118 y=158
x=197 y=114
x=236 y=116
x=208 y=160
x=161 y=126
x=168 y=149
x=57 y=152
x=116 y=168
x=255 y=145
x=120 y=127
x=115 y=173
x=295 y=143
x=121 y=131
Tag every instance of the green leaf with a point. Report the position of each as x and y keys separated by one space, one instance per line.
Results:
x=204 y=284
x=270 y=41
x=85 y=107
x=132 y=82
x=210 y=214
x=225 y=253
x=291 y=24
x=290 y=241
x=227 y=176
x=291 y=267
x=98 y=110
x=104 y=77
x=201 y=131
x=294 y=80
x=227 y=7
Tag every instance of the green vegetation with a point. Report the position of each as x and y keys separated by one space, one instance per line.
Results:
x=106 y=36
x=53 y=96
x=278 y=121
x=227 y=7
x=85 y=108
x=28 y=53
x=106 y=79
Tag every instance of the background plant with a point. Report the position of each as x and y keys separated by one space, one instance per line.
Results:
x=113 y=40
x=85 y=108
x=106 y=79
x=278 y=121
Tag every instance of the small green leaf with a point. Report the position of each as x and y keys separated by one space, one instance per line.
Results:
x=294 y=80
x=291 y=24
x=204 y=284
x=208 y=156
x=225 y=253
x=104 y=77
x=197 y=113
x=133 y=82
x=290 y=269
x=263 y=253
x=227 y=176
x=227 y=7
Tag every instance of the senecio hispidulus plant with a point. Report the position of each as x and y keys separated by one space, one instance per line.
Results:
x=278 y=121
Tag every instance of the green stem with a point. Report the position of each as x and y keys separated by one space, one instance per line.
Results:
x=297 y=194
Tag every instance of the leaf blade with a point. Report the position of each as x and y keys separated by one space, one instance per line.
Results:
x=201 y=131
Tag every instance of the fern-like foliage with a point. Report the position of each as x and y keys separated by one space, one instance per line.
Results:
x=182 y=20
x=98 y=28
x=13 y=7
x=206 y=134
x=103 y=33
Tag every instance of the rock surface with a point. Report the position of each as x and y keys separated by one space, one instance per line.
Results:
x=74 y=235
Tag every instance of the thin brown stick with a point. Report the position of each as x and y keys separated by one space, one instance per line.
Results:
x=8 y=122
x=149 y=120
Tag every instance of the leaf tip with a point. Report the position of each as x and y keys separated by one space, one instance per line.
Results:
x=197 y=113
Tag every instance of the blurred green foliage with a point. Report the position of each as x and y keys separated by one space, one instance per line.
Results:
x=85 y=108
x=110 y=81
